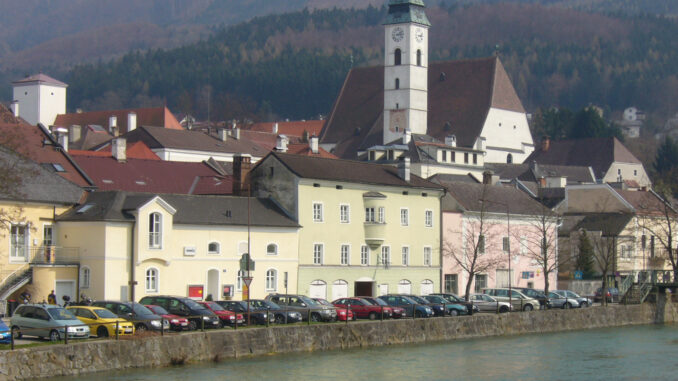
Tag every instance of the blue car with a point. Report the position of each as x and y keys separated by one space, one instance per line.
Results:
x=5 y=333
x=410 y=306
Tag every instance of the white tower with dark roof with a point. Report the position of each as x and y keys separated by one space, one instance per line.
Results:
x=41 y=98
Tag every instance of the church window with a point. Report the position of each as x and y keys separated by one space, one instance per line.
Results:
x=418 y=57
x=509 y=159
x=398 y=57
x=397 y=83
x=475 y=158
x=444 y=155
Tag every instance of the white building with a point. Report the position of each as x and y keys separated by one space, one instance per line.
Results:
x=39 y=99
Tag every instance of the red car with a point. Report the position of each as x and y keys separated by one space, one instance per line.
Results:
x=398 y=312
x=364 y=309
x=225 y=316
x=177 y=323
x=341 y=312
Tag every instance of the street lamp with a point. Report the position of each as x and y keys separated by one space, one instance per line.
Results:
x=508 y=242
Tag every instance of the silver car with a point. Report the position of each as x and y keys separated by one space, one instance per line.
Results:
x=562 y=301
x=486 y=303
x=583 y=301
x=47 y=320
x=520 y=301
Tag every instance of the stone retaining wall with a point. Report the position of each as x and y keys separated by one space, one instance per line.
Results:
x=156 y=351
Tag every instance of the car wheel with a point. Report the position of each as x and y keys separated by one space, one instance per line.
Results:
x=372 y=315
x=192 y=326
x=279 y=319
x=102 y=332
x=54 y=335
x=315 y=317
x=418 y=314
x=141 y=327
x=566 y=306
x=16 y=332
x=503 y=309
x=528 y=307
x=584 y=305
x=454 y=312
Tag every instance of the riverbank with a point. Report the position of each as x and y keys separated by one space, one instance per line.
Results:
x=96 y=356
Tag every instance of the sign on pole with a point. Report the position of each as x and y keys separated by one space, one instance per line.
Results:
x=244 y=261
x=247 y=280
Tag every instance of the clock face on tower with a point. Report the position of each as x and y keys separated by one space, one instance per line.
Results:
x=419 y=35
x=398 y=34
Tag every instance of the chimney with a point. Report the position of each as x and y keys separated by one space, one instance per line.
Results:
x=241 y=169
x=236 y=132
x=115 y=131
x=15 y=108
x=62 y=137
x=275 y=127
x=131 y=121
x=451 y=140
x=74 y=133
x=404 y=168
x=490 y=178
x=314 y=144
x=234 y=124
x=281 y=143
x=545 y=143
x=119 y=149
x=407 y=136
x=112 y=122
x=223 y=134
x=78 y=111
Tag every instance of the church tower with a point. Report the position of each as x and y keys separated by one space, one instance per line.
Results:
x=405 y=69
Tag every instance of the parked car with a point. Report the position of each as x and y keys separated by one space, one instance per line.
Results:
x=558 y=301
x=101 y=321
x=280 y=315
x=452 y=298
x=307 y=307
x=583 y=301
x=520 y=301
x=535 y=294
x=363 y=309
x=257 y=315
x=5 y=333
x=486 y=303
x=225 y=316
x=452 y=309
x=341 y=312
x=410 y=306
x=196 y=314
x=398 y=312
x=142 y=318
x=438 y=309
x=612 y=295
x=177 y=323
x=46 y=320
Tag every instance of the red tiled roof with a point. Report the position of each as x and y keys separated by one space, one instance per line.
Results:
x=156 y=116
x=313 y=127
x=305 y=150
x=136 y=150
x=157 y=176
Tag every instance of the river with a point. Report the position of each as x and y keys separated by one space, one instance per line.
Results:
x=627 y=353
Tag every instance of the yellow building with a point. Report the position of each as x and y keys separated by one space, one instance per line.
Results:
x=367 y=229
x=138 y=244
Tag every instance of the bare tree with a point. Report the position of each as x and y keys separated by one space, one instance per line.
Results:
x=658 y=217
x=605 y=243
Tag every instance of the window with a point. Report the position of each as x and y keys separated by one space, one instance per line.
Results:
x=238 y=280
x=427 y=256
x=652 y=246
x=318 y=254
x=444 y=154
x=271 y=280
x=505 y=244
x=451 y=286
x=404 y=217
x=481 y=282
x=364 y=255
x=418 y=57
x=369 y=215
x=509 y=159
x=643 y=242
x=345 y=252
x=382 y=215
x=635 y=172
x=465 y=157
x=85 y=276
x=523 y=245
x=475 y=158
x=47 y=235
x=385 y=255
x=406 y=256
x=453 y=157
x=18 y=249
x=152 y=280
x=344 y=214
x=317 y=212
x=428 y=219
x=398 y=57
x=397 y=83
x=213 y=248
x=154 y=230
x=272 y=249
x=481 y=244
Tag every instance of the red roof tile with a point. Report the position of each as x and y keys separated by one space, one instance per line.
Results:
x=305 y=150
x=313 y=127
x=156 y=117
x=136 y=150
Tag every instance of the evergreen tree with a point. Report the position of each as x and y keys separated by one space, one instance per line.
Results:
x=585 y=256
x=667 y=156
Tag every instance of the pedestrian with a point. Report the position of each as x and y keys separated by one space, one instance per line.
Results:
x=51 y=298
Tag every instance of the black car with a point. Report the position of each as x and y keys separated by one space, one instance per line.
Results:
x=185 y=307
x=280 y=315
x=535 y=294
x=142 y=318
x=257 y=315
x=452 y=298
x=438 y=309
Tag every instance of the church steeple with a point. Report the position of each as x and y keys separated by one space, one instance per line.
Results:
x=405 y=69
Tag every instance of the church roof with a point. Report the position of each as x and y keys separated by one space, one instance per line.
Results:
x=406 y=11
x=460 y=94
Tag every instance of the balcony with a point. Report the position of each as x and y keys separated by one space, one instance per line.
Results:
x=375 y=232
x=45 y=255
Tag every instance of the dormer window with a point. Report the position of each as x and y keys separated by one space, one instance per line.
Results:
x=509 y=159
x=444 y=156
x=154 y=230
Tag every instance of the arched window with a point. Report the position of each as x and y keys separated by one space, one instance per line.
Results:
x=213 y=248
x=509 y=159
x=397 y=83
x=85 y=276
x=398 y=57
x=271 y=280
x=418 y=57
x=152 y=280
x=155 y=230
x=272 y=249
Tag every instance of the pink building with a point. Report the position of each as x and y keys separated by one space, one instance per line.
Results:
x=499 y=235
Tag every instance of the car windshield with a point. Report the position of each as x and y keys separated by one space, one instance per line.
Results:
x=193 y=304
x=377 y=302
x=323 y=302
x=308 y=301
x=418 y=299
x=557 y=293
x=215 y=306
x=265 y=304
x=554 y=295
x=141 y=310
x=435 y=299
x=159 y=310
x=452 y=298
x=105 y=314
x=61 y=314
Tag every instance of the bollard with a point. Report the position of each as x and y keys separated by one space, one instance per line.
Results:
x=202 y=324
x=348 y=309
x=65 y=334
x=309 y=316
x=414 y=311
x=11 y=340
x=235 y=326
x=268 y=316
x=382 y=313
x=117 y=328
x=162 y=328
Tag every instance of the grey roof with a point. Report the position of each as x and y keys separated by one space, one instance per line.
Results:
x=575 y=174
x=190 y=210
x=449 y=178
x=610 y=224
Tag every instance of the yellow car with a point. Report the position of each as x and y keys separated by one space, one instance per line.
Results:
x=101 y=321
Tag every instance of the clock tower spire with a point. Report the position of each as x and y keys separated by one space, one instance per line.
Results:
x=405 y=69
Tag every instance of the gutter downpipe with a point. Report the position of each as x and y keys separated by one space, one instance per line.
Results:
x=132 y=280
